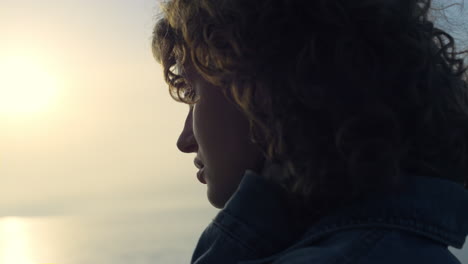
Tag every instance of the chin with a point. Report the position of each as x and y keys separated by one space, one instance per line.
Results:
x=216 y=203
x=217 y=206
x=216 y=200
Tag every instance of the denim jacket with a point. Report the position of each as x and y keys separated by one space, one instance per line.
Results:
x=415 y=226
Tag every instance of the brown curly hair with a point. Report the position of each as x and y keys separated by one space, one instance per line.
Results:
x=344 y=95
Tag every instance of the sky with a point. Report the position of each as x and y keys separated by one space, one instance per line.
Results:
x=86 y=121
x=86 y=117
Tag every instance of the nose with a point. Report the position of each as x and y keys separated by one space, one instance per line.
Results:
x=186 y=142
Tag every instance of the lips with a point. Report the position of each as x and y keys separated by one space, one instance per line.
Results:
x=200 y=176
x=198 y=163
x=200 y=167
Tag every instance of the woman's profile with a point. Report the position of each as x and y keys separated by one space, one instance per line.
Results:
x=326 y=131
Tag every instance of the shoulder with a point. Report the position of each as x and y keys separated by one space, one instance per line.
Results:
x=369 y=246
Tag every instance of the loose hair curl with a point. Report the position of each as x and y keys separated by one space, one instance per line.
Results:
x=344 y=95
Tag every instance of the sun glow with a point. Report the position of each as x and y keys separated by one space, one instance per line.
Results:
x=26 y=87
x=14 y=244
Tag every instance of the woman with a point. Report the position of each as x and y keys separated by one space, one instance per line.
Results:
x=326 y=131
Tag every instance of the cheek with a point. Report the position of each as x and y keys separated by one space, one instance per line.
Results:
x=214 y=134
x=197 y=125
x=204 y=128
x=221 y=132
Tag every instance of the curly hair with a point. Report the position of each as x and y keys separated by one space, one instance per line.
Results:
x=344 y=95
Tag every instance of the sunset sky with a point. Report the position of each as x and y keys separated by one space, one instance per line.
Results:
x=86 y=120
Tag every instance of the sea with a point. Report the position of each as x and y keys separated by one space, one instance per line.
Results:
x=163 y=236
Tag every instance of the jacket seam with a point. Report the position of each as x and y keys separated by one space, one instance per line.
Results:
x=432 y=231
x=362 y=247
x=234 y=237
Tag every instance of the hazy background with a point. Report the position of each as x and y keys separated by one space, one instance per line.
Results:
x=89 y=168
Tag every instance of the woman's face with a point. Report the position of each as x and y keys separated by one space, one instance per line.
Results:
x=218 y=132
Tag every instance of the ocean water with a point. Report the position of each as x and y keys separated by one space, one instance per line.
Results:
x=165 y=236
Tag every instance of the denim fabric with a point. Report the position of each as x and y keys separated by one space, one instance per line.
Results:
x=415 y=226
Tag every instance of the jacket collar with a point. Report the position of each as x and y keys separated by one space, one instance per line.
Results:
x=432 y=207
